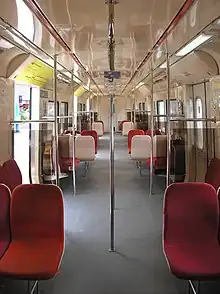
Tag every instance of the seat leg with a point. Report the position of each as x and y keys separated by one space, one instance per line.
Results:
x=34 y=288
x=86 y=167
x=195 y=290
x=140 y=167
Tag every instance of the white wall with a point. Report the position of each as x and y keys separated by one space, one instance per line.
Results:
x=6 y=114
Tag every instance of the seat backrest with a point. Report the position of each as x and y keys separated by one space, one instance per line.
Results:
x=98 y=127
x=132 y=133
x=37 y=211
x=140 y=147
x=4 y=178
x=126 y=127
x=13 y=173
x=121 y=124
x=5 y=233
x=64 y=146
x=102 y=124
x=92 y=133
x=191 y=213
x=85 y=148
x=160 y=146
x=212 y=176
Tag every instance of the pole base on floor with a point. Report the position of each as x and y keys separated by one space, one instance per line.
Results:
x=112 y=250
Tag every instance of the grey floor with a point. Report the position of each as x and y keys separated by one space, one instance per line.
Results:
x=138 y=266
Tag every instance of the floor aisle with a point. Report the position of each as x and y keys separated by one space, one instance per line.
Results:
x=138 y=266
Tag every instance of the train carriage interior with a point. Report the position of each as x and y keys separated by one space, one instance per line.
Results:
x=110 y=146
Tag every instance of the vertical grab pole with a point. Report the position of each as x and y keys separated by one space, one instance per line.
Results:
x=73 y=126
x=152 y=128
x=56 y=120
x=112 y=179
x=206 y=125
x=168 y=119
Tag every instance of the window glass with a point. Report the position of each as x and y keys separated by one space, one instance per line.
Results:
x=199 y=124
x=161 y=109
x=190 y=124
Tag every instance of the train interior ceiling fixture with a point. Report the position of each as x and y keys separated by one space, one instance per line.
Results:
x=110 y=146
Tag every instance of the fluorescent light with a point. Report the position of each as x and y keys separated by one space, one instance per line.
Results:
x=194 y=44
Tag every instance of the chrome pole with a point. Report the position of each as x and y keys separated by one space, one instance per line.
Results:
x=152 y=128
x=195 y=133
x=56 y=121
x=206 y=126
x=168 y=120
x=112 y=179
x=73 y=126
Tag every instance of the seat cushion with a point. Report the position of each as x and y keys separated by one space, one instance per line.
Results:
x=32 y=259
x=200 y=261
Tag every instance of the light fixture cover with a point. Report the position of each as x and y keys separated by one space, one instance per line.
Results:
x=193 y=44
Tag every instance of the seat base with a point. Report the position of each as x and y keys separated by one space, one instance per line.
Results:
x=200 y=262
x=31 y=259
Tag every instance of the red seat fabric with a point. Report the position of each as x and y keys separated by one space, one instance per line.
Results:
x=159 y=163
x=67 y=163
x=191 y=217
x=5 y=235
x=213 y=173
x=4 y=178
x=37 y=233
x=132 y=133
x=13 y=173
x=94 y=134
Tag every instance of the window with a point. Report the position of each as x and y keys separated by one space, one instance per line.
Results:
x=190 y=124
x=50 y=108
x=199 y=124
x=161 y=110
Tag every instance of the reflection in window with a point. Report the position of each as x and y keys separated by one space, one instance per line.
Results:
x=25 y=20
x=199 y=124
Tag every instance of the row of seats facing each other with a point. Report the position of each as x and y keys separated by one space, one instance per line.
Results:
x=135 y=132
x=97 y=126
x=31 y=232
x=85 y=150
x=128 y=126
x=191 y=224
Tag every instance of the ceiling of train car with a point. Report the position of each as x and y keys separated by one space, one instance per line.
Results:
x=84 y=26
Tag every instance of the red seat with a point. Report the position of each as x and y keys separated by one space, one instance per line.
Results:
x=37 y=233
x=92 y=133
x=5 y=235
x=191 y=218
x=213 y=173
x=13 y=173
x=65 y=156
x=132 y=133
x=4 y=179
